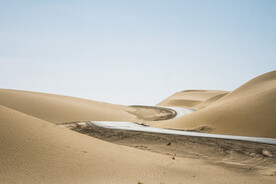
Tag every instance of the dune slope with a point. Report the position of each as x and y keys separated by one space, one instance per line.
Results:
x=58 y=109
x=195 y=99
x=249 y=111
x=37 y=151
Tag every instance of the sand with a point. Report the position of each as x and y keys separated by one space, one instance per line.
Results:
x=58 y=108
x=195 y=99
x=36 y=149
x=247 y=157
x=249 y=110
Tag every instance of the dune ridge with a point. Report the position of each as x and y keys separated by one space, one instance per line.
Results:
x=195 y=99
x=247 y=111
x=59 y=109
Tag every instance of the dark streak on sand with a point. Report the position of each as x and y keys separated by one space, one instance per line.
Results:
x=245 y=156
x=151 y=113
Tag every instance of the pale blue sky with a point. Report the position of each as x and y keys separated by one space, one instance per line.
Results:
x=134 y=52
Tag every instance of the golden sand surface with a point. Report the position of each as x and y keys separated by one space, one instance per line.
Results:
x=250 y=110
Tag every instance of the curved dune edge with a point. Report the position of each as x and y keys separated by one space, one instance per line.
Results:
x=60 y=109
x=247 y=111
x=37 y=151
x=195 y=99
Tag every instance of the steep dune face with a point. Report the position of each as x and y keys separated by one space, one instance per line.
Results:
x=249 y=111
x=195 y=99
x=57 y=108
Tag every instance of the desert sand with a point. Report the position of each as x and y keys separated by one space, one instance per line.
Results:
x=195 y=99
x=58 y=108
x=37 y=148
x=37 y=151
x=248 y=111
x=242 y=156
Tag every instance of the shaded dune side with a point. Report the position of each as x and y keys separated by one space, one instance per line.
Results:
x=249 y=111
x=58 y=109
x=195 y=99
x=36 y=151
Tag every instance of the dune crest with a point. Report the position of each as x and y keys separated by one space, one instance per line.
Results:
x=248 y=111
x=59 y=109
x=195 y=99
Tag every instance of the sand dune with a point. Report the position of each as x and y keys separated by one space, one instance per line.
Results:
x=37 y=151
x=249 y=110
x=195 y=99
x=58 y=109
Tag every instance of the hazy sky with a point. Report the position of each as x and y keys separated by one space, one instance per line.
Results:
x=134 y=52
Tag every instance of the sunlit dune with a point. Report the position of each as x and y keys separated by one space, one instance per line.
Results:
x=196 y=99
x=249 y=110
x=58 y=108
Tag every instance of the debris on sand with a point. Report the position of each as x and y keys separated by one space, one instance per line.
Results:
x=266 y=153
x=174 y=157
